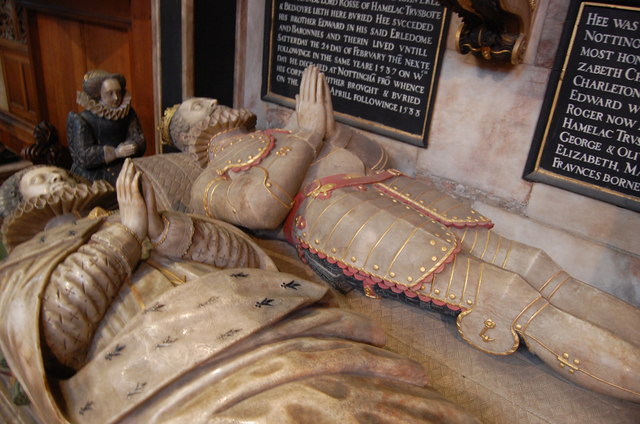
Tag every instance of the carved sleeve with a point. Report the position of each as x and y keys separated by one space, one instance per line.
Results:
x=81 y=289
x=205 y=241
x=261 y=196
x=134 y=133
x=84 y=148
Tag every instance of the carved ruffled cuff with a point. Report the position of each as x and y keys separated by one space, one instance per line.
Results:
x=122 y=245
x=177 y=236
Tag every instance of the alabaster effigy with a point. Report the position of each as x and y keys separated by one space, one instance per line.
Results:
x=133 y=315
x=361 y=225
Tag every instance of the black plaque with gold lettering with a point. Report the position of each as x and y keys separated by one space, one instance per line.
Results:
x=381 y=59
x=588 y=134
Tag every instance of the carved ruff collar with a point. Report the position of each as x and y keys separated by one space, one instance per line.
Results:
x=97 y=108
x=32 y=216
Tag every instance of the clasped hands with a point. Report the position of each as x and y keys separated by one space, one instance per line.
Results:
x=314 y=109
x=137 y=202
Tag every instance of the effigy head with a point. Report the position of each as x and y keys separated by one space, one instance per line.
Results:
x=183 y=123
x=105 y=87
x=36 y=196
x=104 y=94
x=32 y=182
x=44 y=180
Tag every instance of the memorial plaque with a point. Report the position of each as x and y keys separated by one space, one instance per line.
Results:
x=588 y=134
x=381 y=59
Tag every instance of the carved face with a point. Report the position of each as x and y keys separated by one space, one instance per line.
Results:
x=44 y=180
x=111 y=93
x=196 y=110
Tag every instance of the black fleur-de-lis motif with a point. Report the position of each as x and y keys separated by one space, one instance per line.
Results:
x=43 y=239
x=87 y=407
x=229 y=333
x=139 y=388
x=168 y=341
x=158 y=307
x=290 y=285
x=72 y=233
x=116 y=352
x=264 y=302
x=239 y=275
x=208 y=302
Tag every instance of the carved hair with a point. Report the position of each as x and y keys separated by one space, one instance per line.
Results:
x=178 y=129
x=92 y=82
x=10 y=195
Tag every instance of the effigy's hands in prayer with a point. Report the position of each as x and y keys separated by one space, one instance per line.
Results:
x=310 y=104
x=133 y=210
x=125 y=149
x=156 y=225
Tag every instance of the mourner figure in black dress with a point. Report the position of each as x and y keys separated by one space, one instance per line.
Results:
x=107 y=131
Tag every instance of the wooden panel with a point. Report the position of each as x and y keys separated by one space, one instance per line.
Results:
x=20 y=86
x=112 y=12
x=106 y=48
x=141 y=81
x=63 y=65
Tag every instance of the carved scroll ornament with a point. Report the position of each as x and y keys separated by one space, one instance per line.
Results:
x=493 y=29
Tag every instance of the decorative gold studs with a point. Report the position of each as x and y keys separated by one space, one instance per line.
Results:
x=432 y=242
x=434 y=258
x=353 y=259
x=452 y=296
x=437 y=291
x=376 y=267
x=392 y=274
x=422 y=269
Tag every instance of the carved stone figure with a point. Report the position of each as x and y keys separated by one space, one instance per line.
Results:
x=47 y=150
x=202 y=330
x=493 y=29
x=391 y=235
x=107 y=131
